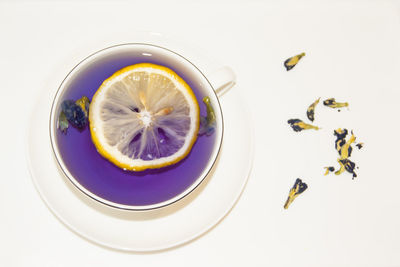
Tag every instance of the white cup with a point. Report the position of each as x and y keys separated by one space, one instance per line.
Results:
x=213 y=86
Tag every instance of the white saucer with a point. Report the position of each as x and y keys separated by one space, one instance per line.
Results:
x=146 y=230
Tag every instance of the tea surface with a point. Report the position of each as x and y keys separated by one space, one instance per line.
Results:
x=109 y=182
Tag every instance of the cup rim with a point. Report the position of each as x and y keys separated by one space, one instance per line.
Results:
x=71 y=178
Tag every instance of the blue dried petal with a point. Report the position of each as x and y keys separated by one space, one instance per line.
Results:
x=74 y=114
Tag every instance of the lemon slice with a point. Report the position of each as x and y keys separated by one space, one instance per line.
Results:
x=143 y=117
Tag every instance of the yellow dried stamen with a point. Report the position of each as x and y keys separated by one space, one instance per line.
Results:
x=341 y=170
x=345 y=149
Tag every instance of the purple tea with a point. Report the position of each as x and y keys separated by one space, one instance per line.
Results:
x=104 y=179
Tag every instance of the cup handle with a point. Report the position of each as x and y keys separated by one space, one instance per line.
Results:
x=222 y=80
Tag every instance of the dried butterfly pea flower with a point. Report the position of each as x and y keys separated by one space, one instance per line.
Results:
x=62 y=123
x=328 y=170
x=360 y=145
x=207 y=124
x=349 y=166
x=75 y=113
x=340 y=138
x=83 y=102
x=346 y=149
x=346 y=165
x=311 y=110
x=298 y=188
x=331 y=102
x=291 y=62
x=298 y=125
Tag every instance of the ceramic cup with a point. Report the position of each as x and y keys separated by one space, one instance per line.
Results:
x=98 y=178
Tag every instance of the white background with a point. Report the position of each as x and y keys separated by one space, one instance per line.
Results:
x=352 y=52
